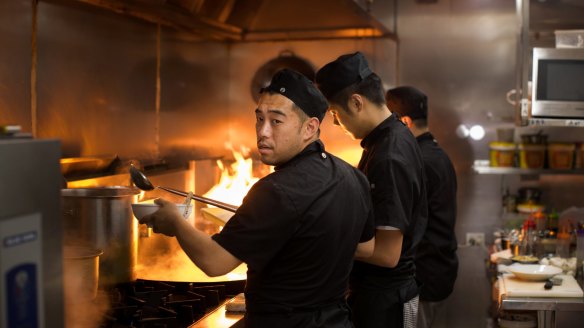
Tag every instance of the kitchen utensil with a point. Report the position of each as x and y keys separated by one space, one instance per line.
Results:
x=142 y=182
x=81 y=272
x=286 y=59
x=142 y=209
x=534 y=272
x=102 y=218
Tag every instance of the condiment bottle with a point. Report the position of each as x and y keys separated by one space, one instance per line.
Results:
x=552 y=224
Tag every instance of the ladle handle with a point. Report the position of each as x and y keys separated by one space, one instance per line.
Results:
x=205 y=200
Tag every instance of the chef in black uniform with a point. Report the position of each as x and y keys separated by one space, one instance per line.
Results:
x=436 y=260
x=383 y=287
x=298 y=228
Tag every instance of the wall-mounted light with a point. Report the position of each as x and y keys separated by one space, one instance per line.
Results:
x=476 y=132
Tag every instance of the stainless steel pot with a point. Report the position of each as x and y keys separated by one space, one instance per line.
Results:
x=80 y=273
x=102 y=218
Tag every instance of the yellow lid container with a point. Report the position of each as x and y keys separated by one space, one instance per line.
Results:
x=502 y=154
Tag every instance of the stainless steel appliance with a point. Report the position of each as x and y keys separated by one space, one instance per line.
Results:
x=558 y=83
x=31 y=274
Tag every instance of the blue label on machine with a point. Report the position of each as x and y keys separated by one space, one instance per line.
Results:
x=21 y=296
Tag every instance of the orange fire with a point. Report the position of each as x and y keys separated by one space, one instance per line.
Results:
x=236 y=179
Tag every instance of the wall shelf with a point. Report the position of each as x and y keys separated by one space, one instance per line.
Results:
x=482 y=167
x=533 y=121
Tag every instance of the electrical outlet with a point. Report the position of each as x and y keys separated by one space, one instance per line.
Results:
x=475 y=238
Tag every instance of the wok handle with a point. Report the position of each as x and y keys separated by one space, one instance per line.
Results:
x=202 y=199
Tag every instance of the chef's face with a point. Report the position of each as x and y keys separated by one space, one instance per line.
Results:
x=279 y=129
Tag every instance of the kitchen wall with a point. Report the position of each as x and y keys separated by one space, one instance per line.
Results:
x=96 y=82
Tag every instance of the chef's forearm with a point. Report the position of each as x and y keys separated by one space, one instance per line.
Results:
x=207 y=254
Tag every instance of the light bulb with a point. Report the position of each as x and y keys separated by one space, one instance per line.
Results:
x=477 y=132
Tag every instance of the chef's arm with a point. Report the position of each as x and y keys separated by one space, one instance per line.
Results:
x=206 y=253
x=388 y=245
x=365 y=249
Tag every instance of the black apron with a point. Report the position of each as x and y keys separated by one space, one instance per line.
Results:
x=335 y=315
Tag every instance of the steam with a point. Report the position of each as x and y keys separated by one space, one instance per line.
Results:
x=162 y=258
x=84 y=305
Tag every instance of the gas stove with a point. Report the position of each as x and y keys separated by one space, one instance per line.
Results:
x=146 y=303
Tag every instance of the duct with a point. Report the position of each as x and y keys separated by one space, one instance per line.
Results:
x=260 y=20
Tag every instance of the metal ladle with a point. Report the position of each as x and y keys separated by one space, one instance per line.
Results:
x=142 y=182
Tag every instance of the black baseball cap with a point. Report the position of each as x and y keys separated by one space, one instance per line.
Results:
x=410 y=102
x=341 y=73
x=298 y=88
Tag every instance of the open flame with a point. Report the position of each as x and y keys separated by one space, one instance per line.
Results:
x=236 y=179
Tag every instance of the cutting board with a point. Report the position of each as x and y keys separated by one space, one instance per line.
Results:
x=509 y=285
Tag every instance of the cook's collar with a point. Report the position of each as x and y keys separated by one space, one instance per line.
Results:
x=376 y=133
x=426 y=136
x=316 y=146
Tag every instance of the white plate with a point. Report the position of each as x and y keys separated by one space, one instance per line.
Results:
x=534 y=271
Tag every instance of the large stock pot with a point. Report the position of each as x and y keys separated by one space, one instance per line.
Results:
x=102 y=218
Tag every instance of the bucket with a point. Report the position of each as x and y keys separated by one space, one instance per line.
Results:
x=101 y=218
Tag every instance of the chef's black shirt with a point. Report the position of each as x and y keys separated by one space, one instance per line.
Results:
x=298 y=229
x=392 y=162
x=436 y=260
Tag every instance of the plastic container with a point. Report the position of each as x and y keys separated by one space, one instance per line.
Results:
x=531 y=156
x=569 y=38
x=502 y=154
x=561 y=155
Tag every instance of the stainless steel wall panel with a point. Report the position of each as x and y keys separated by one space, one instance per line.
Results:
x=15 y=59
x=94 y=90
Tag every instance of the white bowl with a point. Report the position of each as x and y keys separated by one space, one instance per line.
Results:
x=142 y=209
x=534 y=271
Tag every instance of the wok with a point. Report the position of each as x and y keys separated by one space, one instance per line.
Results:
x=286 y=59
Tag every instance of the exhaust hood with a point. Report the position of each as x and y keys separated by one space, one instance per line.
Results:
x=261 y=20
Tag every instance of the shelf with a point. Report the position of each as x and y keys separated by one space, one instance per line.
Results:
x=537 y=121
x=482 y=167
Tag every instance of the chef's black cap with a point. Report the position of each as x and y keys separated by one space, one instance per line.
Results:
x=410 y=102
x=341 y=73
x=298 y=88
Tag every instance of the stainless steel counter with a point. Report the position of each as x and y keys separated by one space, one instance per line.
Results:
x=551 y=312
x=220 y=318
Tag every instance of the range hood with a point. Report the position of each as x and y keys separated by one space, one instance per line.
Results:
x=261 y=20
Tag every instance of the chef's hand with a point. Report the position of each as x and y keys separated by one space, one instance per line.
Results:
x=166 y=220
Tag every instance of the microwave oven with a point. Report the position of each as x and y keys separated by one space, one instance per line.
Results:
x=558 y=83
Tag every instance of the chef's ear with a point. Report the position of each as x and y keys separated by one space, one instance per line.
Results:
x=311 y=127
x=356 y=101
x=407 y=121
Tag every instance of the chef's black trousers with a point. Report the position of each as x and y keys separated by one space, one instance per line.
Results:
x=381 y=308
